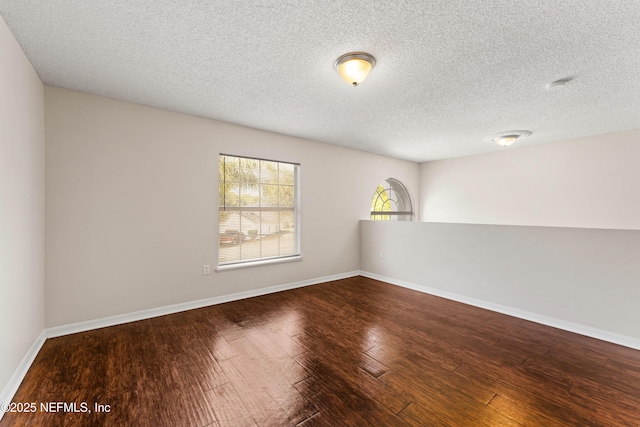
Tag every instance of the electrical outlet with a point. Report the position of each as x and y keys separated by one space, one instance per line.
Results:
x=206 y=269
x=381 y=254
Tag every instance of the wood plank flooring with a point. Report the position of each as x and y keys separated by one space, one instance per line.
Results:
x=354 y=352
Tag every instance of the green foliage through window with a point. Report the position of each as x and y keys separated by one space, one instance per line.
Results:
x=381 y=203
x=391 y=202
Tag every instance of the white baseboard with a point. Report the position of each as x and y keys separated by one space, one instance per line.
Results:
x=18 y=376
x=176 y=308
x=15 y=381
x=521 y=314
x=12 y=387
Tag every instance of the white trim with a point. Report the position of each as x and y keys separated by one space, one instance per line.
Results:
x=176 y=308
x=15 y=381
x=258 y=263
x=588 y=331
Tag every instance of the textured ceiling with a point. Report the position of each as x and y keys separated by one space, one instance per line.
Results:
x=448 y=72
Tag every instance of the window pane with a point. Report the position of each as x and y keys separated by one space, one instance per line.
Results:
x=229 y=196
x=390 y=206
x=230 y=235
x=391 y=196
x=269 y=195
x=379 y=197
x=287 y=233
x=286 y=199
x=249 y=195
x=287 y=174
x=250 y=248
x=268 y=223
x=228 y=184
x=268 y=172
x=287 y=244
x=270 y=230
x=287 y=221
x=228 y=168
x=221 y=194
x=249 y=171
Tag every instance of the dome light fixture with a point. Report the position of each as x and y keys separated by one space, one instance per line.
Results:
x=354 y=67
x=505 y=139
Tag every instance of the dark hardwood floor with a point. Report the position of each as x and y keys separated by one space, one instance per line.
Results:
x=354 y=352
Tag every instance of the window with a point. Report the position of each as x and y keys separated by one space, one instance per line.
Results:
x=391 y=202
x=258 y=215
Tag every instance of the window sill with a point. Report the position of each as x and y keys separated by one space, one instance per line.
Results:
x=258 y=263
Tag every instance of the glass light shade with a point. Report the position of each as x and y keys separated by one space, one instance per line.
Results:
x=354 y=71
x=354 y=67
x=506 y=140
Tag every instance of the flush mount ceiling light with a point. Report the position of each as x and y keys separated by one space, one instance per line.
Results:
x=505 y=139
x=354 y=67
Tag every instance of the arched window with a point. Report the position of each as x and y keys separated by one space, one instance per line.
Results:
x=391 y=202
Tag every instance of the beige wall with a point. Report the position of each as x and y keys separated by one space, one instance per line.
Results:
x=21 y=206
x=588 y=182
x=582 y=280
x=132 y=202
x=573 y=265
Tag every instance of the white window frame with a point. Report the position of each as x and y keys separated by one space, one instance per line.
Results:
x=261 y=261
x=400 y=207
